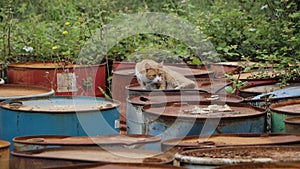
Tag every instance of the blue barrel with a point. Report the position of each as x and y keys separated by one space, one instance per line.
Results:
x=179 y=119
x=59 y=115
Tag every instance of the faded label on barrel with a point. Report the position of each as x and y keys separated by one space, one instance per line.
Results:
x=66 y=82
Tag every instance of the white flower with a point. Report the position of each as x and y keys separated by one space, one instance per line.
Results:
x=264 y=7
x=28 y=49
x=252 y=29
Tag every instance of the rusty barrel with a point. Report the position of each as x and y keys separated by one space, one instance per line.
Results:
x=254 y=90
x=59 y=115
x=179 y=119
x=226 y=156
x=56 y=157
x=134 y=120
x=279 y=165
x=119 y=166
x=130 y=141
x=4 y=154
x=227 y=140
x=64 y=78
x=292 y=125
x=282 y=110
x=15 y=91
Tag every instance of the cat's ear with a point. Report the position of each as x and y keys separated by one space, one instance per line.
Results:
x=161 y=64
x=147 y=66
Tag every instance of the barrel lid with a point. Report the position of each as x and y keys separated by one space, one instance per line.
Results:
x=129 y=166
x=235 y=155
x=266 y=88
x=127 y=139
x=242 y=64
x=255 y=75
x=62 y=104
x=288 y=107
x=97 y=154
x=220 y=140
x=144 y=99
x=203 y=110
x=188 y=72
x=291 y=92
x=279 y=165
x=4 y=144
x=293 y=120
x=203 y=85
x=16 y=91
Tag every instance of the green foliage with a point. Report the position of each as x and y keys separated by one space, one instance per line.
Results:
x=258 y=30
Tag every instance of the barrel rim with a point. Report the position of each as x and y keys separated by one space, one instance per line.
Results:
x=4 y=144
x=285 y=103
x=289 y=120
x=46 y=94
x=222 y=161
x=115 y=102
x=177 y=141
x=258 y=109
x=20 y=65
x=20 y=140
x=131 y=98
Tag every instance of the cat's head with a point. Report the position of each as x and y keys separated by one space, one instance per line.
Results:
x=154 y=74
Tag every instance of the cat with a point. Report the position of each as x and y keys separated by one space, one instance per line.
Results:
x=153 y=75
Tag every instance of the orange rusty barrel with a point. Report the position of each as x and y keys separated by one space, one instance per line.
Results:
x=279 y=165
x=130 y=141
x=119 y=166
x=227 y=140
x=15 y=91
x=226 y=156
x=64 y=78
x=4 y=154
x=56 y=157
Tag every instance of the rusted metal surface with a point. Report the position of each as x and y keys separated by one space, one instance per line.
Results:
x=14 y=91
x=225 y=140
x=292 y=125
x=64 y=78
x=4 y=154
x=119 y=166
x=289 y=107
x=279 y=165
x=174 y=119
x=67 y=156
x=131 y=141
x=254 y=90
x=238 y=155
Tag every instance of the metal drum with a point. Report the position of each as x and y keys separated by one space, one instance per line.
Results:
x=292 y=125
x=282 y=110
x=263 y=100
x=254 y=90
x=14 y=91
x=226 y=140
x=131 y=141
x=56 y=157
x=179 y=119
x=226 y=156
x=60 y=115
x=134 y=120
x=4 y=154
x=279 y=165
x=65 y=78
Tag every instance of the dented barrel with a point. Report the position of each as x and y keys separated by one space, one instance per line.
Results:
x=292 y=125
x=179 y=119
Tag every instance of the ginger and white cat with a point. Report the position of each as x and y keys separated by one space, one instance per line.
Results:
x=153 y=75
